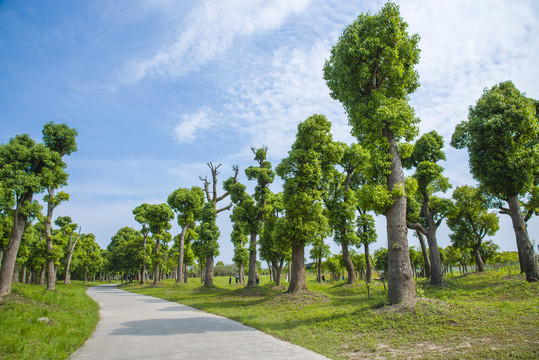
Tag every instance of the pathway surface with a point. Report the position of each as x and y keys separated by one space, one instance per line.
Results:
x=134 y=326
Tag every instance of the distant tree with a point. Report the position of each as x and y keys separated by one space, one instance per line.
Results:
x=371 y=72
x=159 y=217
x=90 y=260
x=67 y=227
x=381 y=259
x=320 y=250
x=24 y=169
x=488 y=251
x=206 y=243
x=472 y=221
x=188 y=206
x=428 y=150
x=304 y=170
x=59 y=138
x=239 y=238
x=366 y=231
x=501 y=135
x=140 y=213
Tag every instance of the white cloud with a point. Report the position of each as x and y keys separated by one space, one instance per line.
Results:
x=210 y=30
x=190 y=125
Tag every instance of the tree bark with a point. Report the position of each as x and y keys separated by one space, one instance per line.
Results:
x=424 y=252
x=478 y=260
x=208 y=279
x=156 y=266
x=435 y=261
x=185 y=274
x=251 y=282
x=368 y=264
x=51 y=278
x=401 y=286
x=241 y=271
x=348 y=264
x=12 y=248
x=23 y=274
x=15 y=278
x=270 y=272
x=143 y=271
x=179 y=279
x=524 y=245
x=297 y=276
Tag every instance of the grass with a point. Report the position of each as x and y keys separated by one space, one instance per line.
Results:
x=73 y=317
x=478 y=316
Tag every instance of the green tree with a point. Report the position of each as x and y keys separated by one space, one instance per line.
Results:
x=187 y=203
x=209 y=227
x=90 y=260
x=59 y=138
x=366 y=232
x=140 y=213
x=67 y=228
x=24 y=169
x=371 y=72
x=159 y=217
x=308 y=164
x=241 y=253
x=472 y=221
x=428 y=150
x=501 y=135
x=320 y=250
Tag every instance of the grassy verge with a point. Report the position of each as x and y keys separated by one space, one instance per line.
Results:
x=72 y=314
x=478 y=316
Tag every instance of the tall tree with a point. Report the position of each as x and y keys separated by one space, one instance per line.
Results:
x=24 y=165
x=304 y=171
x=209 y=227
x=501 y=135
x=59 y=138
x=239 y=238
x=366 y=232
x=472 y=222
x=140 y=213
x=67 y=227
x=159 y=217
x=428 y=150
x=187 y=203
x=371 y=72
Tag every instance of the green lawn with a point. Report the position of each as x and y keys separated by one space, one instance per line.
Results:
x=73 y=314
x=478 y=316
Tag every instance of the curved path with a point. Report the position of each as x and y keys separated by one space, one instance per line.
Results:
x=134 y=326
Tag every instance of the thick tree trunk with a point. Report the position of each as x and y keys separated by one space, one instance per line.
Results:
x=208 y=279
x=297 y=276
x=185 y=274
x=15 y=278
x=478 y=260
x=251 y=281
x=180 y=256
x=424 y=252
x=23 y=274
x=348 y=264
x=241 y=273
x=10 y=253
x=525 y=248
x=319 y=270
x=435 y=261
x=278 y=267
x=368 y=264
x=401 y=286
x=1 y=256
x=42 y=276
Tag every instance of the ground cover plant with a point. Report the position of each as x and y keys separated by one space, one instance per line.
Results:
x=72 y=316
x=492 y=315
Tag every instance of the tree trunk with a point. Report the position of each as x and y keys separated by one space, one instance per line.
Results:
x=348 y=264
x=1 y=256
x=368 y=264
x=251 y=281
x=319 y=270
x=15 y=278
x=156 y=266
x=42 y=276
x=478 y=260
x=85 y=275
x=525 y=248
x=424 y=252
x=208 y=278
x=24 y=274
x=435 y=261
x=145 y=235
x=51 y=276
x=12 y=248
x=278 y=267
x=185 y=274
x=401 y=286
x=297 y=276
x=179 y=279
x=271 y=273
x=241 y=271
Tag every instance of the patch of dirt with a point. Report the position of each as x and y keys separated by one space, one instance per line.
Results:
x=301 y=298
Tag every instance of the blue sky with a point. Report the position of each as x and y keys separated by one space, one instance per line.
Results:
x=157 y=89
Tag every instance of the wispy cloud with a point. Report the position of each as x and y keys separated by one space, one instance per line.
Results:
x=210 y=30
x=191 y=125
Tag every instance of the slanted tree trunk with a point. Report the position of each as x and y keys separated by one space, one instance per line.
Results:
x=478 y=260
x=401 y=286
x=424 y=252
x=368 y=264
x=297 y=276
x=241 y=272
x=251 y=281
x=435 y=261
x=525 y=249
x=10 y=253
x=348 y=264
x=179 y=279
x=278 y=267
x=71 y=247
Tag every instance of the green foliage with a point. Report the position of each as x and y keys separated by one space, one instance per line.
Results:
x=208 y=233
x=125 y=251
x=187 y=203
x=60 y=138
x=501 y=137
x=381 y=259
x=366 y=230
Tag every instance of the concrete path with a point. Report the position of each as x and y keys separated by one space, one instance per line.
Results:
x=136 y=326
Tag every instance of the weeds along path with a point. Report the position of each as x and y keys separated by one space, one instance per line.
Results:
x=134 y=326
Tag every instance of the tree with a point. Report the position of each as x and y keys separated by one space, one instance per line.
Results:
x=208 y=226
x=371 y=72
x=428 y=150
x=24 y=166
x=472 y=221
x=59 y=138
x=319 y=251
x=366 y=232
x=140 y=213
x=90 y=256
x=241 y=254
x=501 y=135
x=67 y=227
x=188 y=206
x=159 y=217
x=308 y=164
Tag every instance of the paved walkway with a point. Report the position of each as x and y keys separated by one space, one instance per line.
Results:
x=136 y=326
